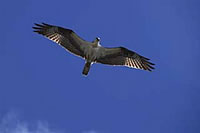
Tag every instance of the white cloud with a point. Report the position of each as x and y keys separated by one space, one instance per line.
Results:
x=10 y=123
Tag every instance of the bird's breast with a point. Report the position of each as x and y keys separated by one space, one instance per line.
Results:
x=92 y=53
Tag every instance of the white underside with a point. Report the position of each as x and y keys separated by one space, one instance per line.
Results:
x=93 y=53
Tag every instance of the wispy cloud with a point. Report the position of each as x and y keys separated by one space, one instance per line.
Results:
x=10 y=123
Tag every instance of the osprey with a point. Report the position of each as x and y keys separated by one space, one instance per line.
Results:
x=93 y=52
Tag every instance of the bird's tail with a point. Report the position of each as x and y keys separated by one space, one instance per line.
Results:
x=86 y=68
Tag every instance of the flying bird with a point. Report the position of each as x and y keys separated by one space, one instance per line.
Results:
x=92 y=52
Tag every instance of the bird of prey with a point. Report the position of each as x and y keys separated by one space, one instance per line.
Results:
x=92 y=52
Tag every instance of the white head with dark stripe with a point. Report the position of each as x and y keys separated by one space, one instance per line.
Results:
x=97 y=40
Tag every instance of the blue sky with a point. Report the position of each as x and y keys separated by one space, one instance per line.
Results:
x=40 y=81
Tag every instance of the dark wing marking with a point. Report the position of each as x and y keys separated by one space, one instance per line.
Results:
x=124 y=57
x=64 y=37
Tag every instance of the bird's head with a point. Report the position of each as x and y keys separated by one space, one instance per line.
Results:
x=97 y=41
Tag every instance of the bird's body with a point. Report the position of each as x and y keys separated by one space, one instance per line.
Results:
x=93 y=52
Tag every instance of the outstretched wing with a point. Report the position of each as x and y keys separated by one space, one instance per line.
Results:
x=124 y=57
x=64 y=37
